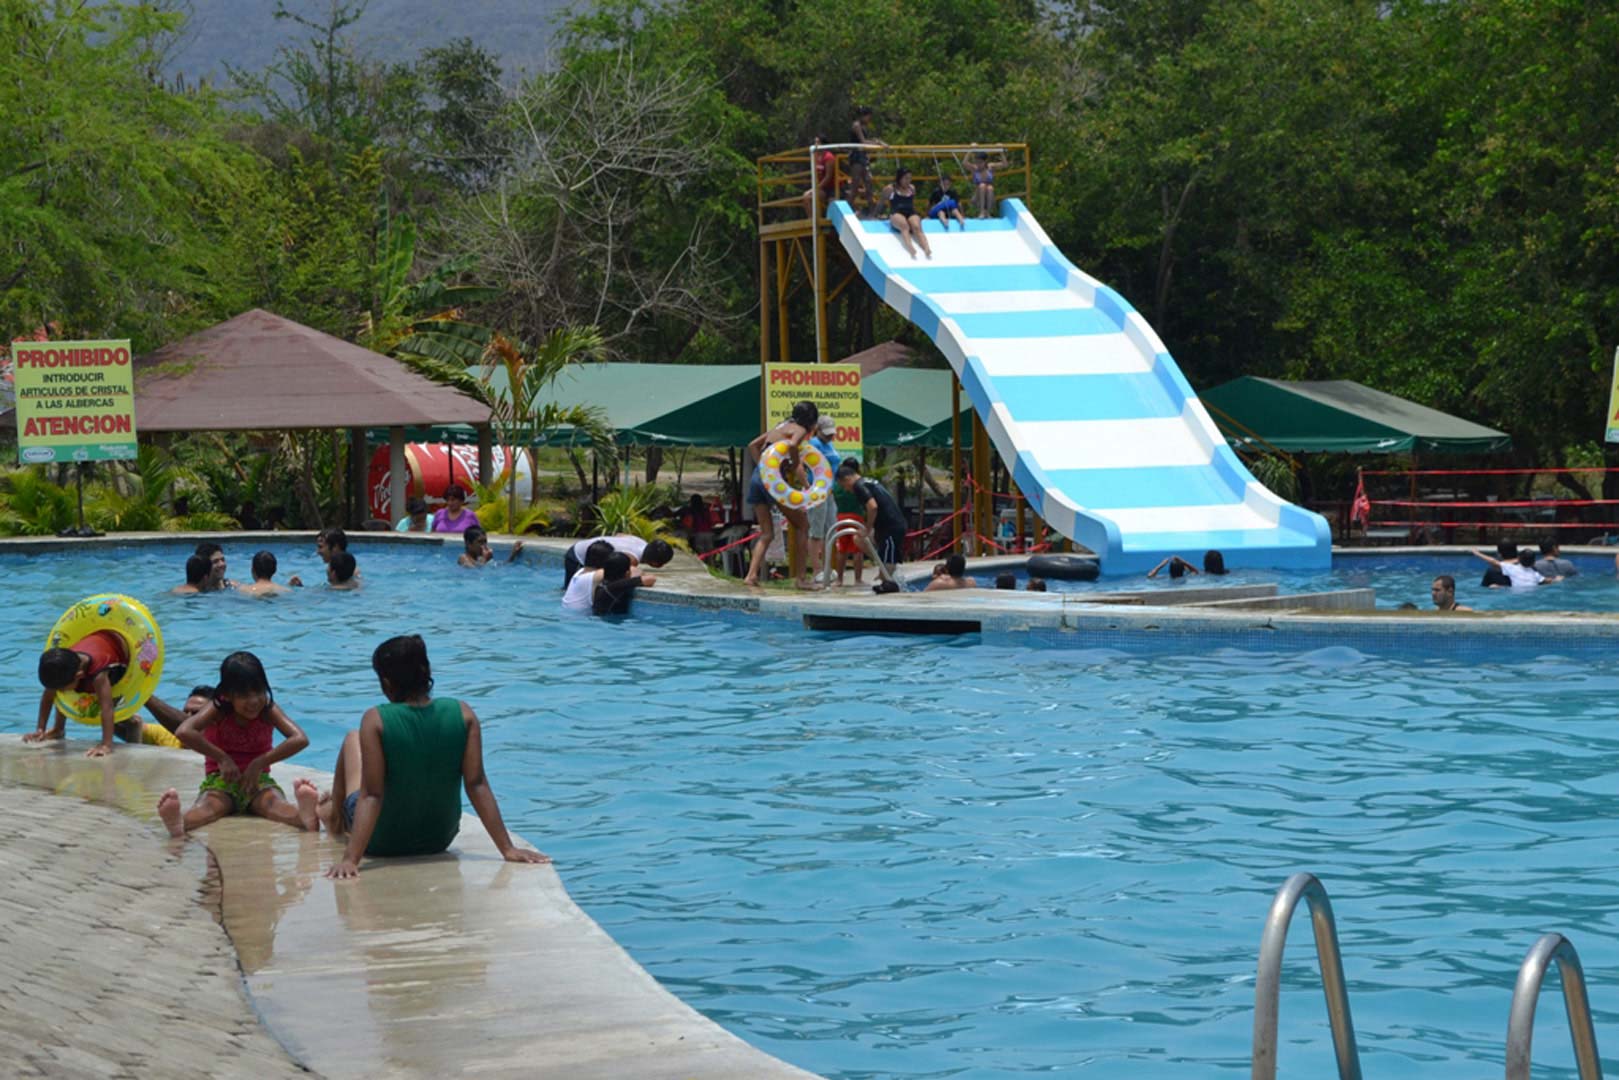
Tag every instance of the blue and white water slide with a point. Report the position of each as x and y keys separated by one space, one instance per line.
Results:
x=1103 y=434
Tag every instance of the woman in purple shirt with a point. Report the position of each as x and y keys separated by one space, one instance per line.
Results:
x=454 y=517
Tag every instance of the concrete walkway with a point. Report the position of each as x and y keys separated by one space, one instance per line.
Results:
x=111 y=966
x=460 y=964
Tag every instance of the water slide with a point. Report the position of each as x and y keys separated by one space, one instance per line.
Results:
x=1103 y=433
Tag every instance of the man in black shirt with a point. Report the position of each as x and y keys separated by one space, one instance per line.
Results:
x=883 y=516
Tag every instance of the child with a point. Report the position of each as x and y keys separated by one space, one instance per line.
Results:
x=91 y=666
x=1178 y=568
x=264 y=584
x=340 y=572
x=613 y=586
x=197 y=570
x=396 y=788
x=235 y=732
x=478 y=553
x=943 y=205
x=330 y=542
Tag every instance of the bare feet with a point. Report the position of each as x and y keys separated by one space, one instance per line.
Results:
x=308 y=797
x=168 y=808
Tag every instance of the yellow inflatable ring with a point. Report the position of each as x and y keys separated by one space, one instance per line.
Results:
x=820 y=474
x=143 y=643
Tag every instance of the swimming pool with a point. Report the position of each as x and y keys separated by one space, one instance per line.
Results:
x=881 y=857
x=1398 y=579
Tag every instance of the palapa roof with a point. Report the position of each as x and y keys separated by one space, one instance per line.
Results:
x=261 y=372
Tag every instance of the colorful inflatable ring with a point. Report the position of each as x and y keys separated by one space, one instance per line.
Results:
x=143 y=642
x=820 y=473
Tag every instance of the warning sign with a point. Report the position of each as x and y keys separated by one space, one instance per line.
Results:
x=75 y=400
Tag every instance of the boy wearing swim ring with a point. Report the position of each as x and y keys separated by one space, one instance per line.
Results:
x=793 y=431
x=90 y=666
x=236 y=733
x=396 y=788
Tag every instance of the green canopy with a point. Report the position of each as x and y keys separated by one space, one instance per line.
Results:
x=1339 y=416
x=718 y=405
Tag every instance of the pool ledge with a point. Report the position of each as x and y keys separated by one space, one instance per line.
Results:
x=460 y=964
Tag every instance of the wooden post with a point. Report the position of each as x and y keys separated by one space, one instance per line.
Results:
x=955 y=462
x=359 y=504
x=784 y=273
x=1021 y=504
x=486 y=455
x=822 y=340
x=398 y=473
x=983 y=503
x=764 y=329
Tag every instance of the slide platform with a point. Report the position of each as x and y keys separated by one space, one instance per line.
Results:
x=1104 y=436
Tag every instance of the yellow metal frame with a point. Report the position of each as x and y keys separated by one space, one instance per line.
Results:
x=789 y=241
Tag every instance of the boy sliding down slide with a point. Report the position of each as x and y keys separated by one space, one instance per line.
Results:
x=396 y=788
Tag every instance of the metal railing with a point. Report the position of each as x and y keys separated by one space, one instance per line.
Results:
x=784 y=177
x=862 y=538
x=1551 y=949
x=1268 y=984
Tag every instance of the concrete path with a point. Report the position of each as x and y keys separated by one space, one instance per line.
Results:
x=112 y=968
x=455 y=965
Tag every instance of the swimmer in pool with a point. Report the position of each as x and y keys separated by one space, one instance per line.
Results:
x=264 y=583
x=1444 y=594
x=341 y=571
x=197 y=569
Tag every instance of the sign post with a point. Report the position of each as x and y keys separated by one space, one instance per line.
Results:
x=75 y=403
x=1612 y=433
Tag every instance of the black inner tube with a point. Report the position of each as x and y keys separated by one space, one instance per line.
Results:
x=1064 y=567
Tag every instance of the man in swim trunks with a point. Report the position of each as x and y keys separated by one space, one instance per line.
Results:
x=792 y=431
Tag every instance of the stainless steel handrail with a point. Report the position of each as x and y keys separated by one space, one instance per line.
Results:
x=862 y=537
x=1551 y=949
x=1268 y=984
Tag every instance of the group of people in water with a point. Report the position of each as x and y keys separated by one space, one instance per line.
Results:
x=207 y=567
x=600 y=575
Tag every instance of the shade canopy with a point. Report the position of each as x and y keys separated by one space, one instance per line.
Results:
x=1340 y=416
x=261 y=372
x=718 y=405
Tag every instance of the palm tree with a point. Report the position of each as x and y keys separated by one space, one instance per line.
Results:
x=524 y=412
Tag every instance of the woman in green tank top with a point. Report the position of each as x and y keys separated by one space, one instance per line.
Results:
x=396 y=789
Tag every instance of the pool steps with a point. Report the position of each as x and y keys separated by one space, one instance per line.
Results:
x=1549 y=950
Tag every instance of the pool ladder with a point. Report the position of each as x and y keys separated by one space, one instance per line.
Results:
x=1550 y=949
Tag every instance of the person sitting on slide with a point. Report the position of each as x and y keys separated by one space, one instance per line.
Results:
x=943 y=206
x=902 y=215
x=396 y=788
x=792 y=431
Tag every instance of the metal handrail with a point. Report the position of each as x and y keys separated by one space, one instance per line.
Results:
x=1268 y=984
x=1551 y=949
x=862 y=537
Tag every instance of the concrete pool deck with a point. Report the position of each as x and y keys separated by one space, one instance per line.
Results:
x=460 y=964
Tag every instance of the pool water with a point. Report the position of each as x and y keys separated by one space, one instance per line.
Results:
x=894 y=857
x=1398 y=579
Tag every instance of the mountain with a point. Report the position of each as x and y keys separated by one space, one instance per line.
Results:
x=246 y=33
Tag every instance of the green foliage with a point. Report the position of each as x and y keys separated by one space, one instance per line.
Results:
x=624 y=512
x=494 y=509
x=31 y=504
x=1276 y=474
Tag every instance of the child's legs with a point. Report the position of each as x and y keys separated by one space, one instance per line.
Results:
x=209 y=808
x=798 y=530
x=271 y=805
